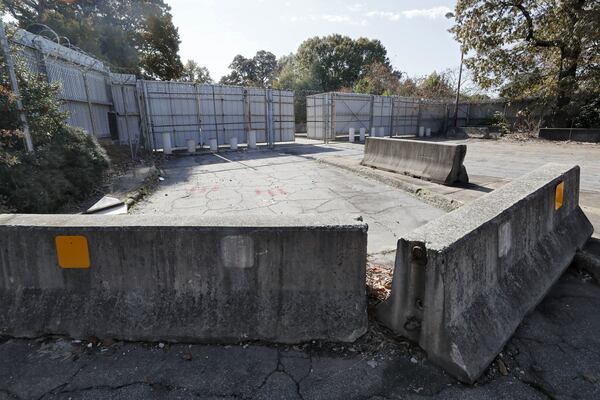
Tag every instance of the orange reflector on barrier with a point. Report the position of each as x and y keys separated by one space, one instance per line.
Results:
x=558 y=197
x=72 y=252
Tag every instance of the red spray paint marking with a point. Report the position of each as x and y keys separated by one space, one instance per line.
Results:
x=271 y=193
x=257 y=191
x=200 y=189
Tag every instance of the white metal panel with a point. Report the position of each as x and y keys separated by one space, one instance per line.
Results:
x=217 y=111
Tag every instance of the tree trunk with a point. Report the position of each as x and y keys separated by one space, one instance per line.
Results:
x=567 y=85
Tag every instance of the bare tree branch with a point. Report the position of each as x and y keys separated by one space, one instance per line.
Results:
x=530 y=28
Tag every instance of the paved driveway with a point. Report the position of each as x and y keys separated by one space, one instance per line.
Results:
x=265 y=182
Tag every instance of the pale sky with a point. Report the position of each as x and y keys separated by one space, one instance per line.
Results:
x=413 y=31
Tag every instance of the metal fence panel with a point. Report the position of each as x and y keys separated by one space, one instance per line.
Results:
x=125 y=103
x=204 y=112
x=397 y=115
x=83 y=80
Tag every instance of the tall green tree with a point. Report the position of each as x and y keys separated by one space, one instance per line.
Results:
x=158 y=47
x=543 y=48
x=436 y=86
x=256 y=71
x=135 y=35
x=192 y=72
x=339 y=61
x=379 y=79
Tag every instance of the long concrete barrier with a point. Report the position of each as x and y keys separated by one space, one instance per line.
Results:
x=463 y=283
x=174 y=278
x=437 y=162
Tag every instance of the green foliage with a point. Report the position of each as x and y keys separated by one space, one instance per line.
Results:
x=67 y=163
x=338 y=61
x=379 y=79
x=499 y=120
x=158 y=48
x=589 y=113
x=436 y=86
x=136 y=35
x=65 y=169
x=546 y=49
x=256 y=71
x=192 y=72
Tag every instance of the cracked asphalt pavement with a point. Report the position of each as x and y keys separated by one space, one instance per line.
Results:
x=555 y=354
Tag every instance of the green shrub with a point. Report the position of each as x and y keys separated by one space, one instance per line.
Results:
x=500 y=121
x=65 y=170
x=67 y=164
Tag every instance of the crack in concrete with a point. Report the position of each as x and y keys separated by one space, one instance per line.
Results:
x=63 y=385
x=154 y=385
x=539 y=387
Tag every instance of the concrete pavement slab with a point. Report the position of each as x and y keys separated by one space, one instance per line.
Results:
x=276 y=183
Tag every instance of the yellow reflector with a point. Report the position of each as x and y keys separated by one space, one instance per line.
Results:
x=558 y=198
x=72 y=252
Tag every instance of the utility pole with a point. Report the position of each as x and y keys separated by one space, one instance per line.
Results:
x=451 y=15
x=462 y=54
x=4 y=47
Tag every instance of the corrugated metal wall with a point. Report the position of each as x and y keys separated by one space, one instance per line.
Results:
x=204 y=112
x=84 y=85
x=126 y=107
x=146 y=109
x=366 y=111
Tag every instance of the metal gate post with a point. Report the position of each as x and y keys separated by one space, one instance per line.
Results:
x=199 y=105
x=269 y=117
x=333 y=117
x=246 y=106
x=418 y=116
x=372 y=116
x=89 y=102
x=326 y=118
x=149 y=122
x=214 y=101
x=392 y=117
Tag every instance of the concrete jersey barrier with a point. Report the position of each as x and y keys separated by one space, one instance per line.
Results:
x=437 y=162
x=174 y=278
x=463 y=283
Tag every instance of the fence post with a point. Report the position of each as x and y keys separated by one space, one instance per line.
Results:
x=418 y=115
x=372 y=116
x=246 y=106
x=15 y=87
x=392 y=117
x=214 y=101
x=269 y=117
x=199 y=105
x=89 y=102
x=326 y=119
x=333 y=118
x=149 y=121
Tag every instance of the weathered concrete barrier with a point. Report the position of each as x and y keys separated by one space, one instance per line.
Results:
x=464 y=282
x=437 y=162
x=183 y=278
